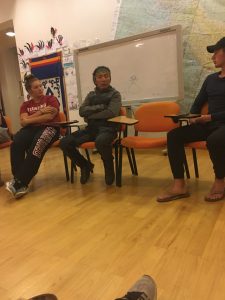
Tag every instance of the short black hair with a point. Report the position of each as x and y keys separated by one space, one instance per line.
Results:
x=28 y=80
x=101 y=69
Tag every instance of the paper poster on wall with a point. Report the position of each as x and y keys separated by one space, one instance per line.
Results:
x=49 y=70
x=71 y=86
x=52 y=87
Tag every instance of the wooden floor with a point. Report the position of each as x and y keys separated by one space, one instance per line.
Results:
x=93 y=242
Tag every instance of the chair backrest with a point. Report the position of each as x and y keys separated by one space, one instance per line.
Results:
x=62 y=118
x=151 y=116
x=123 y=111
x=204 y=110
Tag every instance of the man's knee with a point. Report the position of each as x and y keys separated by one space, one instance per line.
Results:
x=67 y=143
x=101 y=143
x=63 y=144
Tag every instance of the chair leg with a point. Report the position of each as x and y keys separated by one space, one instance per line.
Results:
x=66 y=167
x=120 y=164
x=73 y=168
x=72 y=172
x=130 y=160
x=194 y=155
x=134 y=162
x=88 y=157
x=186 y=166
x=116 y=160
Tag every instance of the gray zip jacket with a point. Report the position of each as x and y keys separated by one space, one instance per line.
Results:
x=99 y=106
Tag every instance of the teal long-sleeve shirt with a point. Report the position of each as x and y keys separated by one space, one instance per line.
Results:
x=213 y=93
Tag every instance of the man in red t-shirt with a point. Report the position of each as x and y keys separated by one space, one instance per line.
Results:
x=34 y=138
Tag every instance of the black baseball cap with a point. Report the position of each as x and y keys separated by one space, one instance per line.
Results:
x=219 y=45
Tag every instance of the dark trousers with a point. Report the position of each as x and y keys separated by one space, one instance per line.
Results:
x=28 y=149
x=103 y=140
x=215 y=141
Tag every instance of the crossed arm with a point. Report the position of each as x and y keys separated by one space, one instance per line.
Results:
x=202 y=119
x=200 y=101
x=101 y=111
x=41 y=116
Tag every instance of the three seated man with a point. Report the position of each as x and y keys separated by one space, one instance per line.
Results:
x=104 y=102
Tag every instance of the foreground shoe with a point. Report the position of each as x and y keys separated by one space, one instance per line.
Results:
x=85 y=172
x=16 y=190
x=44 y=297
x=144 y=289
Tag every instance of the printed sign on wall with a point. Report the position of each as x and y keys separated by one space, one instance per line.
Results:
x=52 y=87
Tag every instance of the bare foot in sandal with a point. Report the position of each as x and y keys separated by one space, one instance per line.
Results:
x=178 y=190
x=217 y=191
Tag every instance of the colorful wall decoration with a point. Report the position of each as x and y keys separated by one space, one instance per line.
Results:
x=52 y=62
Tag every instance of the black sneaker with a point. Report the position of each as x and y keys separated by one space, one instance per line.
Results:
x=109 y=172
x=21 y=192
x=16 y=189
x=143 y=289
x=85 y=172
x=10 y=182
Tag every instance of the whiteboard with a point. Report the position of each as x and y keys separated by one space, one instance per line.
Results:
x=144 y=67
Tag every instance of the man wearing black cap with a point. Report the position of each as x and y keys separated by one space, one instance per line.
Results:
x=209 y=128
x=100 y=105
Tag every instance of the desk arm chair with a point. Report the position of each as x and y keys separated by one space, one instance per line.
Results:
x=65 y=128
x=151 y=119
x=124 y=123
x=91 y=146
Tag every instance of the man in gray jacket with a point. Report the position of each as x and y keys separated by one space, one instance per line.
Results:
x=99 y=105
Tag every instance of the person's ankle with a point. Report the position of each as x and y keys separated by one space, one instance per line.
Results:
x=219 y=180
x=179 y=182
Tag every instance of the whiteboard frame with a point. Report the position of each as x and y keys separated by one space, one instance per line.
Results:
x=176 y=28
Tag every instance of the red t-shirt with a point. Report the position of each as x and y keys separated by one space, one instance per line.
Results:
x=30 y=107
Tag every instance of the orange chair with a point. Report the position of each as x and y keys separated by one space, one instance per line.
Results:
x=151 y=119
x=9 y=126
x=63 y=130
x=197 y=145
x=91 y=146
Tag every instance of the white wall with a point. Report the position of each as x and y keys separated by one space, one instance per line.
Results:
x=74 y=19
x=6 y=10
